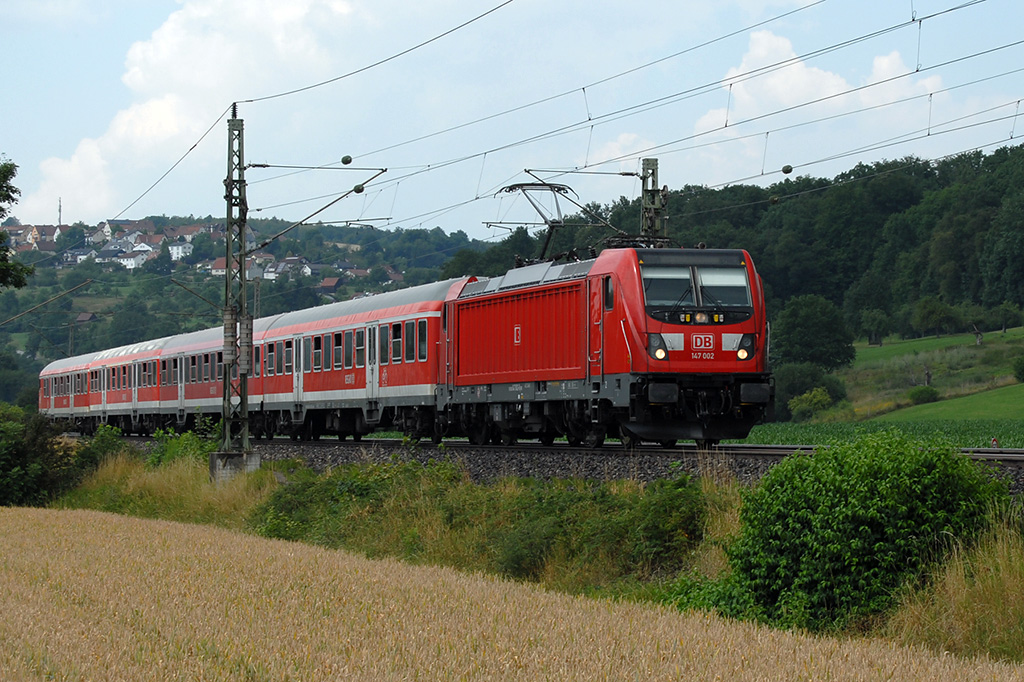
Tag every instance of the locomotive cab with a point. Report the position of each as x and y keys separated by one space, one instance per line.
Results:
x=701 y=372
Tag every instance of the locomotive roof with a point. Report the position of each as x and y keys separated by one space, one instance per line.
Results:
x=541 y=273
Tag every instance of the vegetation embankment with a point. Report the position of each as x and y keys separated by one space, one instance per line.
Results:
x=850 y=541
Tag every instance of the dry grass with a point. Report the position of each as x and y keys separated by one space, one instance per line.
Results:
x=976 y=602
x=93 y=596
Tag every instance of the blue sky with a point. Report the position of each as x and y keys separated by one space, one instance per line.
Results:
x=103 y=97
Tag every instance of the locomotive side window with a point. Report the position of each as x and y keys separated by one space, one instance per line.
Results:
x=724 y=286
x=338 y=357
x=609 y=294
x=410 y=341
x=360 y=347
x=396 y=342
x=421 y=335
x=384 y=344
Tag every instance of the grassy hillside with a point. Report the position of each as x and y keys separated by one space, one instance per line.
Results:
x=881 y=376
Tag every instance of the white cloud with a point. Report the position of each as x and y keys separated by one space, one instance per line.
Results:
x=203 y=56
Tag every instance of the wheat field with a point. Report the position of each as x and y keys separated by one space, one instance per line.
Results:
x=93 y=596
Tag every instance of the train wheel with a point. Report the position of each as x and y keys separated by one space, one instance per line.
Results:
x=547 y=438
x=629 y=440
x=508 y=438
x=479 y=434
x=594 y=439
x=356 y=437
x=668 y=444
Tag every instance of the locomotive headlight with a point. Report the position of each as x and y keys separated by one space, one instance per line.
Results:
x=656 y=347
x=746 y=347
x=701 y=318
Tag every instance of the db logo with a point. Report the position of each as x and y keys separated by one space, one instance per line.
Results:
x=517 y=335
x=703 y=341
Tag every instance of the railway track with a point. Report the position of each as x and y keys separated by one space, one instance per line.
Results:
x=744 y=462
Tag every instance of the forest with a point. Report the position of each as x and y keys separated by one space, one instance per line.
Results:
x=908 y=246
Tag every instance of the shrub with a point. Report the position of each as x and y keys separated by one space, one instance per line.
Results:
x=829 y=537
x=36 y=463
x=171 y=446
x=920 y=395
x=1018 y=369
x=806 y=405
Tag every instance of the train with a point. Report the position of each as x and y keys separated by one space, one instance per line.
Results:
x=640 y=344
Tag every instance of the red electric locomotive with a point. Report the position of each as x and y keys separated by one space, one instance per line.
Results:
x=643 y=344
x=640 y=344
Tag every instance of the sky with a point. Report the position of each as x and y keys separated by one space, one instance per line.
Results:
x=119 y=108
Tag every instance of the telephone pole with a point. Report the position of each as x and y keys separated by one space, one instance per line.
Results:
x=235 y=454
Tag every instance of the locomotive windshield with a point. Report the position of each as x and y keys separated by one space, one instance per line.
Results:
x=671 y=288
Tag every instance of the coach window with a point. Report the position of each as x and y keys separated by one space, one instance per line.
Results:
x=326 y=341
x=307 y=354
x=338 y=357
x=193 y=369
x=289 y=356
x=124 y=377
x=396 y=342
x=207 y=370
x=220 y=366
x=371 y=343
x=318 y=353
x=270 y=360
x=410 y=341
x=348 y=349
x=384 y=344
x=280 y=357
x=174 y=371
x=421 y=336
x=360 y=347
x=256 y=361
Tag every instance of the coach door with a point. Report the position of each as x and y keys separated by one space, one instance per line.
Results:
x=372 y=363
x=293 y=364
x=178 y=374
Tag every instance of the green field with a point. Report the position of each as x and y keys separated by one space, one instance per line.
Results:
x=881 y=377
x=1000 y=403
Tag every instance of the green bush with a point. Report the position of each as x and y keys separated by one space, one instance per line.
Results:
x=1018 y=369
x=36 y=465
x=170 y=446
x=829 y=537
x=806 y=405
x=920 y=395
